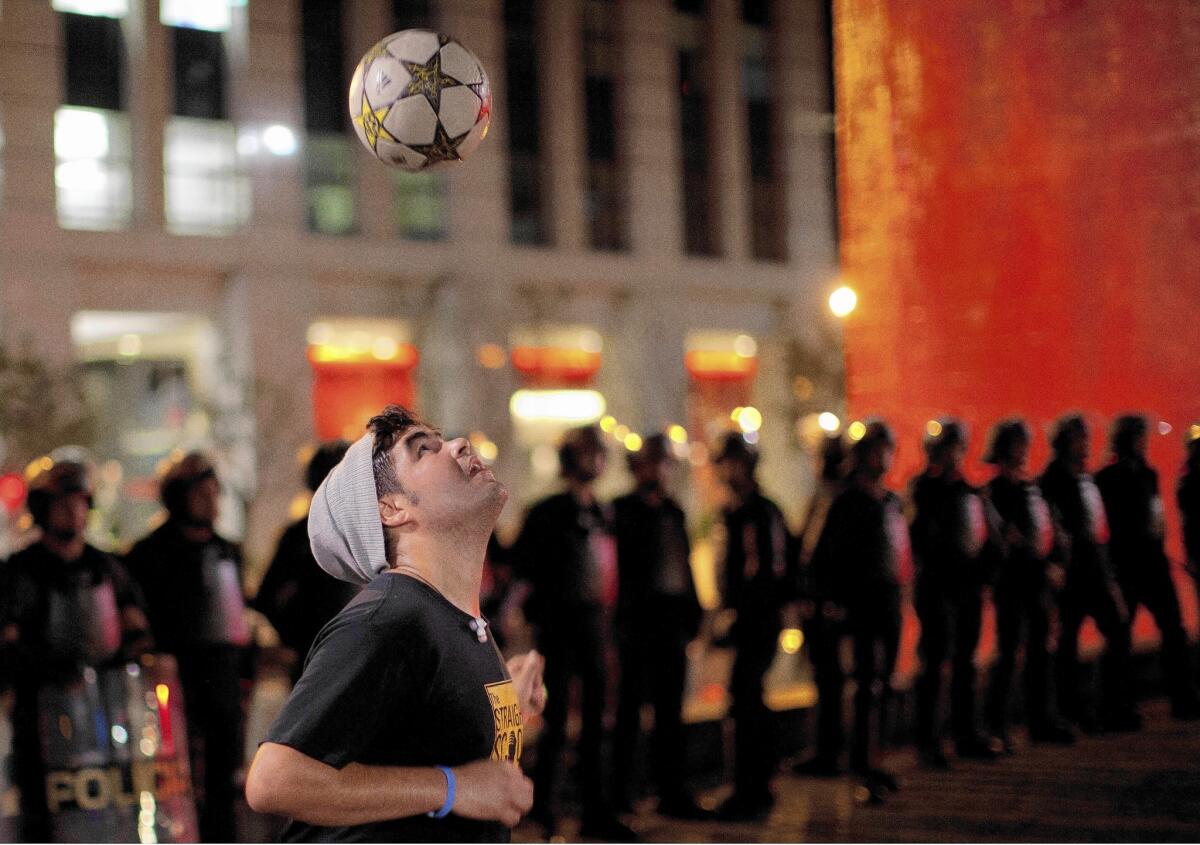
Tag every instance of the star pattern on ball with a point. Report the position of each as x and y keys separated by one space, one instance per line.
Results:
x=443 y=148
x=428 y=80
x=371 y=120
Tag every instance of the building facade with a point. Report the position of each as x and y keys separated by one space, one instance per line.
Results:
x=645 y=238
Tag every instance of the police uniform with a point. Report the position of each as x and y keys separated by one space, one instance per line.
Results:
x=949 y=534
x=1023 y=604
x=1090 y=590
x=1129 y=488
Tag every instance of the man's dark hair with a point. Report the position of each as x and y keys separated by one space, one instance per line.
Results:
x=585 y=438
x=1066 y=429
x=1126 y=430
x=1003 y=440
x=388 y=426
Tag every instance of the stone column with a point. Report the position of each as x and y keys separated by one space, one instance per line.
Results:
x=730 y=144
x=648 y=126
x=366 y=22
x=800 y=60
x=563 y=127
x=149 y=102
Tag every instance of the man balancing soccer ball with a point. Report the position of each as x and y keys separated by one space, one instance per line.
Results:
x=406 y=723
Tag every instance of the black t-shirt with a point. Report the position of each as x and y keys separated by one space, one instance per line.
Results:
x=400 y=678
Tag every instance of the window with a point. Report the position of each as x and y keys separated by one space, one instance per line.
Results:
x=420 y=205
x=413 y=14
x=199 y=74
x=329 y=164
x=524 y=142
x=768 y=220
x=206 y=194
x=699 y=235
x=604 y=200
x=105 y=8
x=329 y=196
x=94 y=61
x=93 y=186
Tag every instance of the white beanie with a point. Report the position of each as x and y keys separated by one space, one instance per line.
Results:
x=343 y=520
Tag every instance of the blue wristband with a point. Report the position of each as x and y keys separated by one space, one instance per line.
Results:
x=450 y=790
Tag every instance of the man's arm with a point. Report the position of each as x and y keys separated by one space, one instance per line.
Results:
x=285 y=782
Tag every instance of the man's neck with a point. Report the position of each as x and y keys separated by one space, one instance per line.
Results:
x=582 y=491
x=65 y=550
x=196 y=533
x=452 y=564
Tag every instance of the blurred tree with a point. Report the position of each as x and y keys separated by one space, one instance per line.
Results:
x=42 y=407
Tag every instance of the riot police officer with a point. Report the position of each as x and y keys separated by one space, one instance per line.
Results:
x=65 y=608
x=191 y=578
x=1187 y=496
x=1023 y=591
x=823 y=619
x=567 y=553
x=858 y=568
x=1090 y=588
x=296 y=595
x=757 y=566
x=949 y=533
x=1129 y=487
x=658 y=614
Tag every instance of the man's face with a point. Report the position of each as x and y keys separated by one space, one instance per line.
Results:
x=446 y=483
x=652 y=473
x=736 y=474
x=204 y=501
x=68 y=516
x=1077 y=448
x=878 y=460
x=590 y=462
x=1018 y=455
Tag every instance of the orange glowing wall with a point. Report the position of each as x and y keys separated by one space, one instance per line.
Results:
x=1020 y=214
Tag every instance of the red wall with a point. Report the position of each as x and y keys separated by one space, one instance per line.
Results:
x=1020 y=214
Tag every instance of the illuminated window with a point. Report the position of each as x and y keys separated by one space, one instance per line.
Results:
x=329 y=184
x=92 y=173
x=206 y=193
x=420 y=205
x=98 y=8
x=210 y=15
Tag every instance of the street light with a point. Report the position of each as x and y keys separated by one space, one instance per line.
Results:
x=842 y=301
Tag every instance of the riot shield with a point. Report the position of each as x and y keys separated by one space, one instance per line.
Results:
x=114 y=751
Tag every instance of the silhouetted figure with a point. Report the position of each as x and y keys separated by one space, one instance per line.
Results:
x=566 y=552
x=1129 y=487
x=1187 y=496
x=949 y=535
x=858 y=567
x=191 y=578
x=658 y=614
x=65 y=608
x=296 y=595
x=1023 y=591
x=757 y=567
x=823 y=618
x=1090 y=588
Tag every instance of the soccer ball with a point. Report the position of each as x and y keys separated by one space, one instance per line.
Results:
x=419 y=100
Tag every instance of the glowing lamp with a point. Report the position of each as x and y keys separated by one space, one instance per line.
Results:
x=842 y=301
x=856 y=430
x=828 y=422
x=12 y=492
x=565 y=406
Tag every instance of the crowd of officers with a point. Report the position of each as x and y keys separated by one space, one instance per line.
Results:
x=598 y=581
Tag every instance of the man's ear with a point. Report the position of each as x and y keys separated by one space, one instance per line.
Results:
x=393 y=511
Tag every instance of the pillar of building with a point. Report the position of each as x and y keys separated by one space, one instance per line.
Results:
x=35 y=275
x=564 y=132
x=783 y=472
x=800 y=57
x=648 y=121
x=149 y=102
x=729 y=129
x=478 y=188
